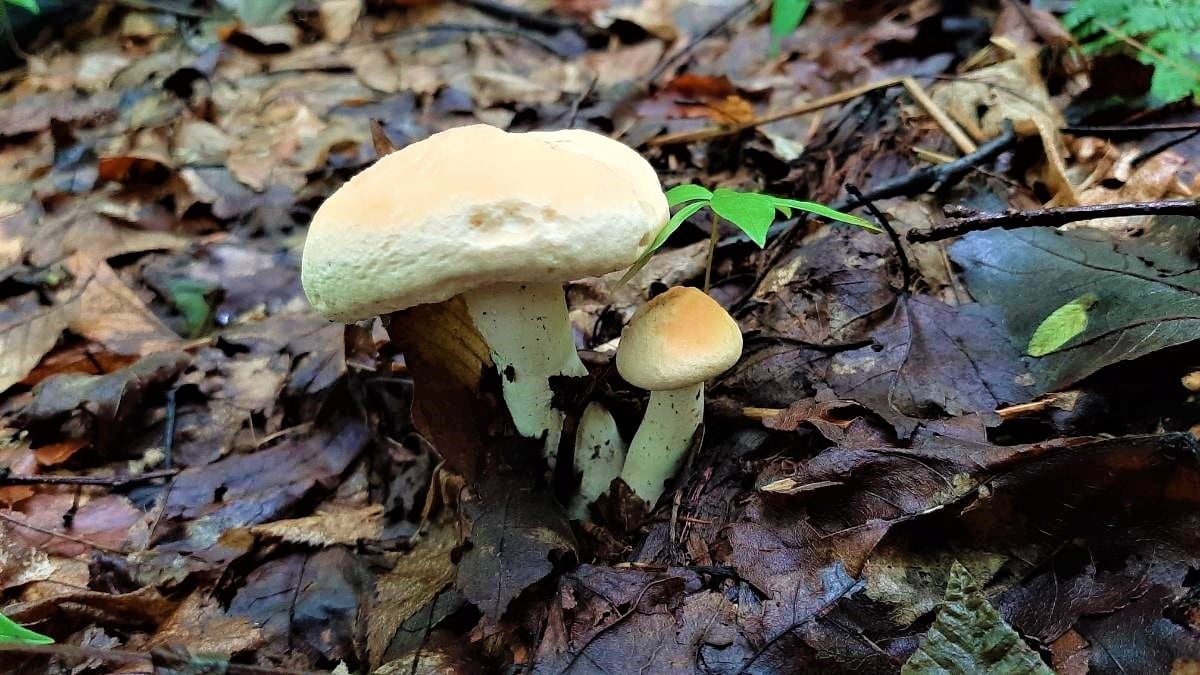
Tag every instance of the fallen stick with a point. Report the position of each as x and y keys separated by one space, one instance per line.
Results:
x=1053 y=217
x=708 y=133
x=101 y=481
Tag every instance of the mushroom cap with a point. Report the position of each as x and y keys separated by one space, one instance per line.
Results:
x=474 y=206
x=621 y=157
x=680 y=338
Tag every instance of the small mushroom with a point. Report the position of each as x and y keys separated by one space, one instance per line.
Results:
x=671 y=346
x=599 y=456
x=501 y=219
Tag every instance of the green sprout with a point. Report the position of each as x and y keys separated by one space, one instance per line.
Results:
x=786 y=16
x=11 y=631
x=30 y=6
x=751 y=212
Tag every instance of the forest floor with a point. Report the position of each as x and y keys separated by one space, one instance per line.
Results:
x=199 y=474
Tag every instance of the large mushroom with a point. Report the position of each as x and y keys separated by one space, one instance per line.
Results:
x=500 y=219
x=672 y=345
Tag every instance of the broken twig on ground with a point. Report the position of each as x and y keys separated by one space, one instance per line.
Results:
x=1053 y=217
x=709 y=133
x=99 y=481
x=955 y=132
x=906 y=272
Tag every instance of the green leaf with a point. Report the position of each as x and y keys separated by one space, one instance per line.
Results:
x=687 y=193
x=194 y=300
x=668 y=229
x=825 y=212
x=11 y=631
x=786 y=16
x=969 y=636
x=751 y=212
x=1061 y=326
x=30 y=6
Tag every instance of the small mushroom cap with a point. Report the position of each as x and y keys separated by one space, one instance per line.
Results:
x=680 y=338
x=474 y=206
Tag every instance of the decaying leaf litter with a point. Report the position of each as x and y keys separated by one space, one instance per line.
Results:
x=199 y=470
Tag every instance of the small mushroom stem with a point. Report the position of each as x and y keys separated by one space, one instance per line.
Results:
x=662 y=441
x=599 y=455
x=529 y=336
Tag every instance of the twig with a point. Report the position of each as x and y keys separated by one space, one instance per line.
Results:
x=1131 y=129
x=937 y=177
x=941 y=176
x=620 y=617
x=169 y=428
x=709 y=133
x=103 y=481
x=935 y=111
x=906 y=273
x=820 y=612
x=1053 y=217
x=1164 y=146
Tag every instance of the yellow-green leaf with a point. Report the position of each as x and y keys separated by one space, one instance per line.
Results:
x=1063 y=325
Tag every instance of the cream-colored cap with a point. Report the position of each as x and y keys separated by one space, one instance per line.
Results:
x=620 y=157
x=680 y=338
x=473 y=206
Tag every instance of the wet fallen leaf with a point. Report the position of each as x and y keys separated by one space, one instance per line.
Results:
x=310 y=603
x=970 y=637
x=244 y=490
x=517 y=536
x=1147 y=287
x=415 y=579
x=338 y=527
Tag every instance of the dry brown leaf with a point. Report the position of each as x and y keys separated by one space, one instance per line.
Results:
x=26 y=338
x=109 y=520
x=416 y=578
x=21 y=563
x=57 y=453
x=376 y=69
x=203 y=627
x=111 y=314
x=330 y=528
x=982 y=100
x=338 y=18
x=53 y=601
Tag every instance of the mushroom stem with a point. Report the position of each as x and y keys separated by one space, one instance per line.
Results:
x=529 y=336
x=599 y=455
x=662 y=441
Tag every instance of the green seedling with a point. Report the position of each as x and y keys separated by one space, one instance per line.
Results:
x=30 y=6
x=11 y=631
x=786 y=16
x=751 y=212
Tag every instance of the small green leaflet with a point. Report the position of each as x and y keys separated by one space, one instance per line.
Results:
x=786 y=16
x=1061 y=326
x=687 y=193
x=752 y=212
x=30 y=6
x=11 y=631
x=669 y=229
